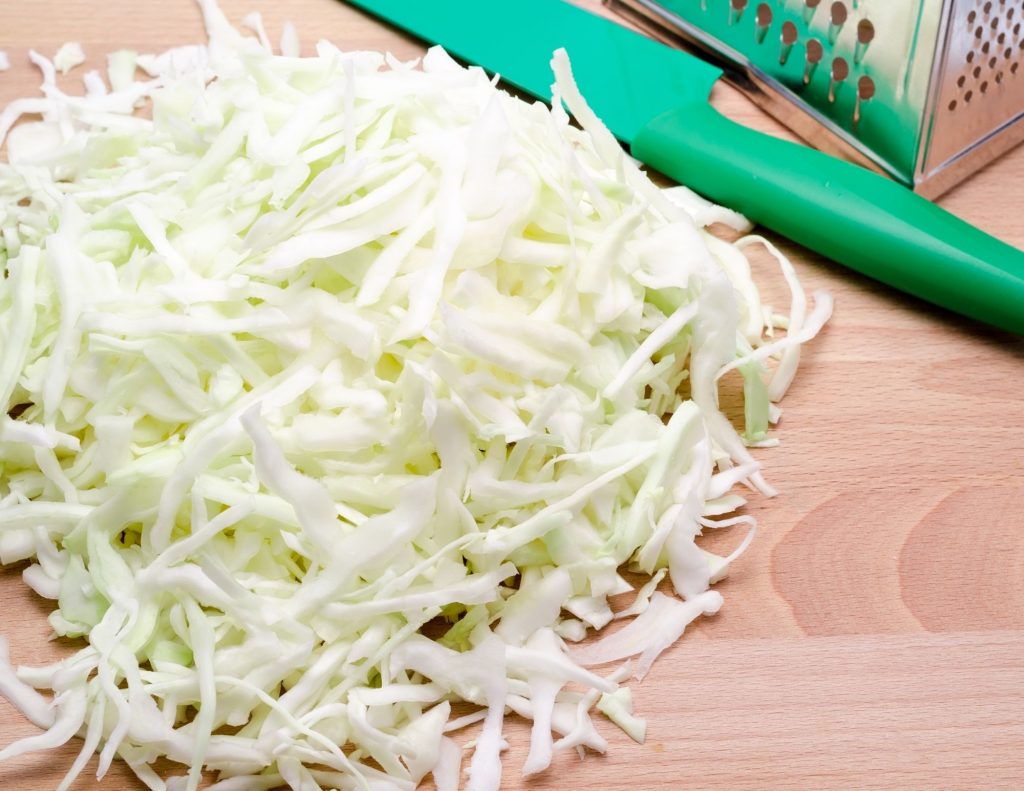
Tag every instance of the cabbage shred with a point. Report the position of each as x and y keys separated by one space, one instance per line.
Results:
x=340 y=391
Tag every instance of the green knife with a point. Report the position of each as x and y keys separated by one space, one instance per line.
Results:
x=655 y=99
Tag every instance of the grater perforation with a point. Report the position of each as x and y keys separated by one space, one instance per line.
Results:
x=926 y=91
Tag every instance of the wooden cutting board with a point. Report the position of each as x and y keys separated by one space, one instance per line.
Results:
x=873 y=636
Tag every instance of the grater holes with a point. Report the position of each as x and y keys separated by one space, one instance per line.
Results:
x=994 y=31
x=762 y=22
x=736 y=9
x=865 y=35
x=839 y=72
x=865 y=88
x=815 y=52
x=865 y=93
x=787 y=38
x=837 y=18
x=865 y=32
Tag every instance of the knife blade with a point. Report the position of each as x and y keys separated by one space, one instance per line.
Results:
x=655 y=99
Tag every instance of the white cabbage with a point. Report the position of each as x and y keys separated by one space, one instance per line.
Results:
x=68 y=56
x=337 y=390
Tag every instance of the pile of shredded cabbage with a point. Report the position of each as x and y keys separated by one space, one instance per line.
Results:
x=339 y=392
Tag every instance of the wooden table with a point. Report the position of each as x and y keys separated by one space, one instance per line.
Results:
x=873 y=636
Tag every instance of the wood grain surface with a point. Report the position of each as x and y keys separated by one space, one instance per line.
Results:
x=873 y=636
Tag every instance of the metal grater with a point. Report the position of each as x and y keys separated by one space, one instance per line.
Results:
x=926 y=91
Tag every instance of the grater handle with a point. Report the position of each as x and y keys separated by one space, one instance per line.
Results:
x=843 y=211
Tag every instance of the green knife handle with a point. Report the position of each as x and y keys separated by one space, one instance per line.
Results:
x=843 y=211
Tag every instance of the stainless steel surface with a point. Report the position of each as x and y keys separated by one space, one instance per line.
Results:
x=927 y=91
x=979 y=84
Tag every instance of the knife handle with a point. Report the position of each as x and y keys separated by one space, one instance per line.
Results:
x=843 y=211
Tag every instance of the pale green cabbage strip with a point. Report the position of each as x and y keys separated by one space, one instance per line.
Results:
x=334 y=349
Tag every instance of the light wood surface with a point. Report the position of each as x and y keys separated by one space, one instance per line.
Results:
x=873 y=636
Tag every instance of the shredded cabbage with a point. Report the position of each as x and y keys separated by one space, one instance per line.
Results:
x=338 y=391
x=68 y=56
x=618 y=707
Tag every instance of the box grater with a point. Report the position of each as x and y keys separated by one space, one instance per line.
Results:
x=926 y=91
